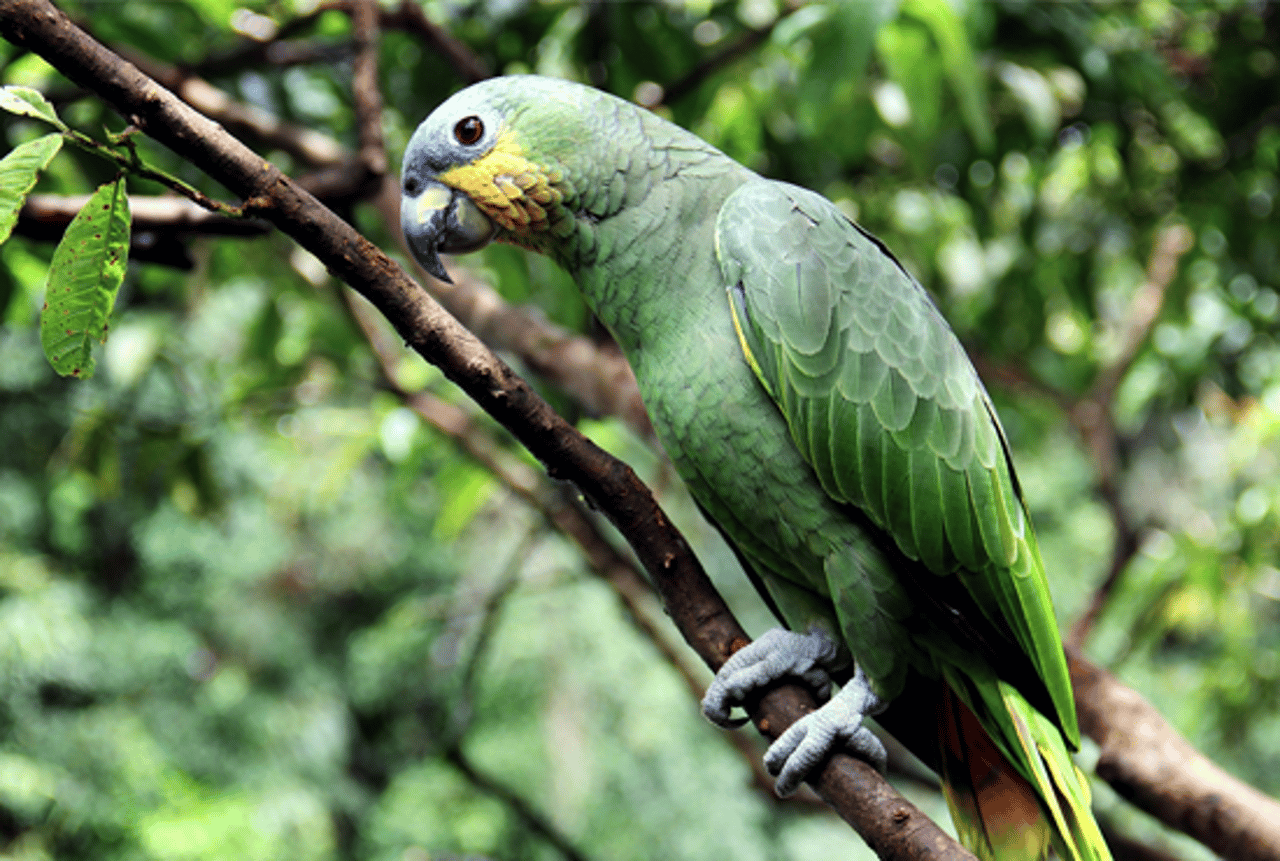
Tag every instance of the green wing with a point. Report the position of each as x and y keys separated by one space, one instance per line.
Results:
x=884 y=404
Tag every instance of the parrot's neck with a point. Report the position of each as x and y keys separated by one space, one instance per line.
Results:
x=649 y=269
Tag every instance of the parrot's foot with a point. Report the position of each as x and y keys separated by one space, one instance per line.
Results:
x=777 y=653
x=837 y=724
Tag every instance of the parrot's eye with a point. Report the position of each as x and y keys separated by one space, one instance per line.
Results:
x=468 y=130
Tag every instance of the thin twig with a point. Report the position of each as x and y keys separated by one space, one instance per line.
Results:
x=308 y=146
x=281 y=50
x=131 y=162
x=462 y=712
x=410 y=17
x=46 y=215
x=365 y=91
x=532 y=819
x=1093 y=414
x=746 y=43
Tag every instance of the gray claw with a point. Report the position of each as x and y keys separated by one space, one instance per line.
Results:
x=836 y=725
x=777 y=653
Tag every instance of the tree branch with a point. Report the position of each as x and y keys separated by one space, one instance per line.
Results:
x=1149 y=763
x=161 y=225
x=45 y=216
x=309 y=146
x=365 y=90
x=561 y=513
x=889 y=823
x=598 y=377
x=1092 y=414
x=280 y=51
x=532 y=819
x=410 y=18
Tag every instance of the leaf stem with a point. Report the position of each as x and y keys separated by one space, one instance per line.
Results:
x=132 y=163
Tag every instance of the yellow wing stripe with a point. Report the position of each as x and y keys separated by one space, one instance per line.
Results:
x=746 y=350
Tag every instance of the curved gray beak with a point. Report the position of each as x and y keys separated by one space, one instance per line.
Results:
x=438 y=219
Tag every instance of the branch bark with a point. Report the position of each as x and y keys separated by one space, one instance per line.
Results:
x=891 y=825
x=1148 y=762
x=364 y=87
x=562 y=513
x=46 y=216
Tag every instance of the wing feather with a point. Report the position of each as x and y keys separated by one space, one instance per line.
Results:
x=885 y=406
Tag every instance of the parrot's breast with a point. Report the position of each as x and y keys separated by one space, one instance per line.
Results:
x=654 y=281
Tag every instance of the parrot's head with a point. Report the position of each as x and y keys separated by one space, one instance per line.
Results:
x=499 y=160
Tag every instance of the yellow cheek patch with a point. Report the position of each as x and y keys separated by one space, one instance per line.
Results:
x=510 y=189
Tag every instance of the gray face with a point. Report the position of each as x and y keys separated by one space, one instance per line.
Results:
x=436 y=218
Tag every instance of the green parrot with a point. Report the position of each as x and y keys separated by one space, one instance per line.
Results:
x=825 y=418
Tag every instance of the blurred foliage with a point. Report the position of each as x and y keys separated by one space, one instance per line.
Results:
x=251 y=606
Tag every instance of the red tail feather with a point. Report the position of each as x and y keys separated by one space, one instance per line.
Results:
x=996 y=810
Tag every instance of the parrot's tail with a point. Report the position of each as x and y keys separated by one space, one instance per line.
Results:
x=1008 y=812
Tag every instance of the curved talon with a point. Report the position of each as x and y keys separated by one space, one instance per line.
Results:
x=776 y=653
x=838 y=724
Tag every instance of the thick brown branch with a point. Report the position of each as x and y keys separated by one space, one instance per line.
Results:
x=561 y=512
x=893 y=827
x=1149 y=763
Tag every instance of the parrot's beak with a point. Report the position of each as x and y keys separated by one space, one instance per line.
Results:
x=441 y=219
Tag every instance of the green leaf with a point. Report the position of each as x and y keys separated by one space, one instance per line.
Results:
x=18 y=173
x=906 y=50
x=87 y=269
x=851 y=35
x=965 y=77
x=26 y=102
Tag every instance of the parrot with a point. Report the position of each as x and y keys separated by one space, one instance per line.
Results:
x=824 y=417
